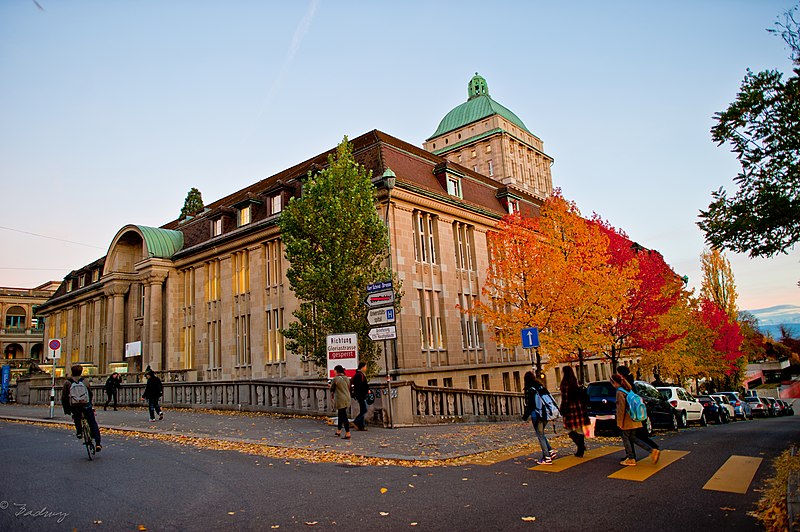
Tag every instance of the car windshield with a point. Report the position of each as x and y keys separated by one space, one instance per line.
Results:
x=600 y=389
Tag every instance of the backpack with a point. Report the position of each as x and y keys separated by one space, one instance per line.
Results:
x=550 y=409
x=78 y=394
x=636 y=408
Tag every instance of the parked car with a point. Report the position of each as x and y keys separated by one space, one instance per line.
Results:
x=603 y=406
x=725 y=403
x=687 y=407
x=759 y=406
x=776 y=408
x=714 y=411
x=788 y=407
x=741 y=408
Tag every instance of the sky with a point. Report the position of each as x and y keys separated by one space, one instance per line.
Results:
x=111 y=111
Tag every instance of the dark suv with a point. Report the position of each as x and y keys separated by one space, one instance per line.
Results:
x=603 y=406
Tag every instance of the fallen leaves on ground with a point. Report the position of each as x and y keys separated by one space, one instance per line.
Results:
x=384 y=490
x=771 y=508
x=528 y=518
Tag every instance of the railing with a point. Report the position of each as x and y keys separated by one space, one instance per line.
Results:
x=411 y=404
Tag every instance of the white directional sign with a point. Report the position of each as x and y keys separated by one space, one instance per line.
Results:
x=379 y=316
x=380 y=299
x=383 y=333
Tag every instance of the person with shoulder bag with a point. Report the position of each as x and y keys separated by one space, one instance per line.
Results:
x=152 y=393
x=573 y=408
x=536 y=410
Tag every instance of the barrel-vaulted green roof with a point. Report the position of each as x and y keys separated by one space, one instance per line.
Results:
x=161 y=243
x=479 y=105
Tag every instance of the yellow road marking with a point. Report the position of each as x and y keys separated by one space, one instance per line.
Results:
x=644 y=469
x=735 y=475
x=570 y=461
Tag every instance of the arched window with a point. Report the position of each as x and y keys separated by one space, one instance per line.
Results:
x=15 y=318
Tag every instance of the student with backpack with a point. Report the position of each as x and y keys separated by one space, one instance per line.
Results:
x=76 y=398
x=641 y=432
x=630 y=409
x=153 y=391
x=540 y=407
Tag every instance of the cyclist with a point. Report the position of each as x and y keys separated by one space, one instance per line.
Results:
x=77 y=410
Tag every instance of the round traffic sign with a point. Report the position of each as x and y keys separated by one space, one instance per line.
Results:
x=55 y=345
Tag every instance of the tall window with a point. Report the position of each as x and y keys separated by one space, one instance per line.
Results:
x=274 y=338
x=241 y=326
x=241 y=272
x=212 y=280
x=431 y=332
x=273 y=274
x=426 y=237
x=215 y=345
x=470 y=329
x=141 y=299
x=243 y=216
x=464 y=236
x=491 y=168
x=15 y=318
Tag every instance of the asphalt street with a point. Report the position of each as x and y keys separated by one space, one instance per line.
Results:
x=138 y=483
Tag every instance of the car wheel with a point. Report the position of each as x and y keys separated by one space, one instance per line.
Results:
x=683 y=421
x=703 y=420
x=726 y=417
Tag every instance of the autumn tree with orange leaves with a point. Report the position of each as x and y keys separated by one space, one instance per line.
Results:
x=551 y=272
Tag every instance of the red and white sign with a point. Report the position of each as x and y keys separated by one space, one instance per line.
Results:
x=342 y=350
x=55 y=348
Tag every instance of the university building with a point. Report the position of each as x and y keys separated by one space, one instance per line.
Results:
x=205 y=297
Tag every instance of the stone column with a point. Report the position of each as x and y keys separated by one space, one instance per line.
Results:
x=155 y=323
x=115 y=292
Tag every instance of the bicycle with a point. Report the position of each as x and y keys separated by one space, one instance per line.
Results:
x=87 y=437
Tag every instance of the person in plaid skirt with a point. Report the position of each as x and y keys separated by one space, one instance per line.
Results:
x=574 y=409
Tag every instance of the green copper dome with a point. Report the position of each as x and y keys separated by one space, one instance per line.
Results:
x=479 y=105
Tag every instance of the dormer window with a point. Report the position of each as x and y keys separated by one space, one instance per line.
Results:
x=243 y=215
x=95 y=275
x=276 y=204
x=513 y=206
x=454 y=186
x=216 y=227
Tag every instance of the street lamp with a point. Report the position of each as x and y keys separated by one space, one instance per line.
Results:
x=389 y=180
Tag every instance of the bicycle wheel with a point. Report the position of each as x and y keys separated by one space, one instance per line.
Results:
x=87 y=438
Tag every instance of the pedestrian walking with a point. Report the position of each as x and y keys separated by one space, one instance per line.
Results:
x=152 y=393
x=340 y=390
x=536 y=410
x=641 y=432
x=360 y=386
x=112 y=385
x=76 y=399
x=574 y=409
x=627 y=425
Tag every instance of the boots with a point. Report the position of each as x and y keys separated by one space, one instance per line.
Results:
x=579 y=442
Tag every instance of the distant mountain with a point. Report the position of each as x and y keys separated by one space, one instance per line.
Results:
x=770 y=319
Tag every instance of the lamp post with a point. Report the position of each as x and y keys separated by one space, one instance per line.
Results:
x=389 y=179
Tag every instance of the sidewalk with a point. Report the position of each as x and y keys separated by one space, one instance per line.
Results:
x=434 y=442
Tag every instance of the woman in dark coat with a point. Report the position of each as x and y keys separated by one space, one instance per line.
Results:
x=574 y=408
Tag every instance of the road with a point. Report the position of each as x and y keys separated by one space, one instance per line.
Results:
x=137 y=484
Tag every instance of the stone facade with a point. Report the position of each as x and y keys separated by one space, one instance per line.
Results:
x=21 y=326
x=204 y=297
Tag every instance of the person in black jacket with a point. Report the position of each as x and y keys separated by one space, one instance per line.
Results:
x=152 y=392
x=360 y=387
x=77 y=411
x=112 y=385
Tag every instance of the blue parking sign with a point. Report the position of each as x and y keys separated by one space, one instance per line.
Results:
x=530 y=337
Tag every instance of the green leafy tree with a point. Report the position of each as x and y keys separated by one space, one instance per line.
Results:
x=763 y=129
x=336 y=243
x=192 y=204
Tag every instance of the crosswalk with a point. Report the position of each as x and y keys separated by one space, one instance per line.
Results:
x=734 y=476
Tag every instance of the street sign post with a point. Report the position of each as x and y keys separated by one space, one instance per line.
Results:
x=342 y=350
x=380 y=316
x=54 y=350
x=530 y=337
x=379 y=287
x=383 y=333
x=380 y=299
